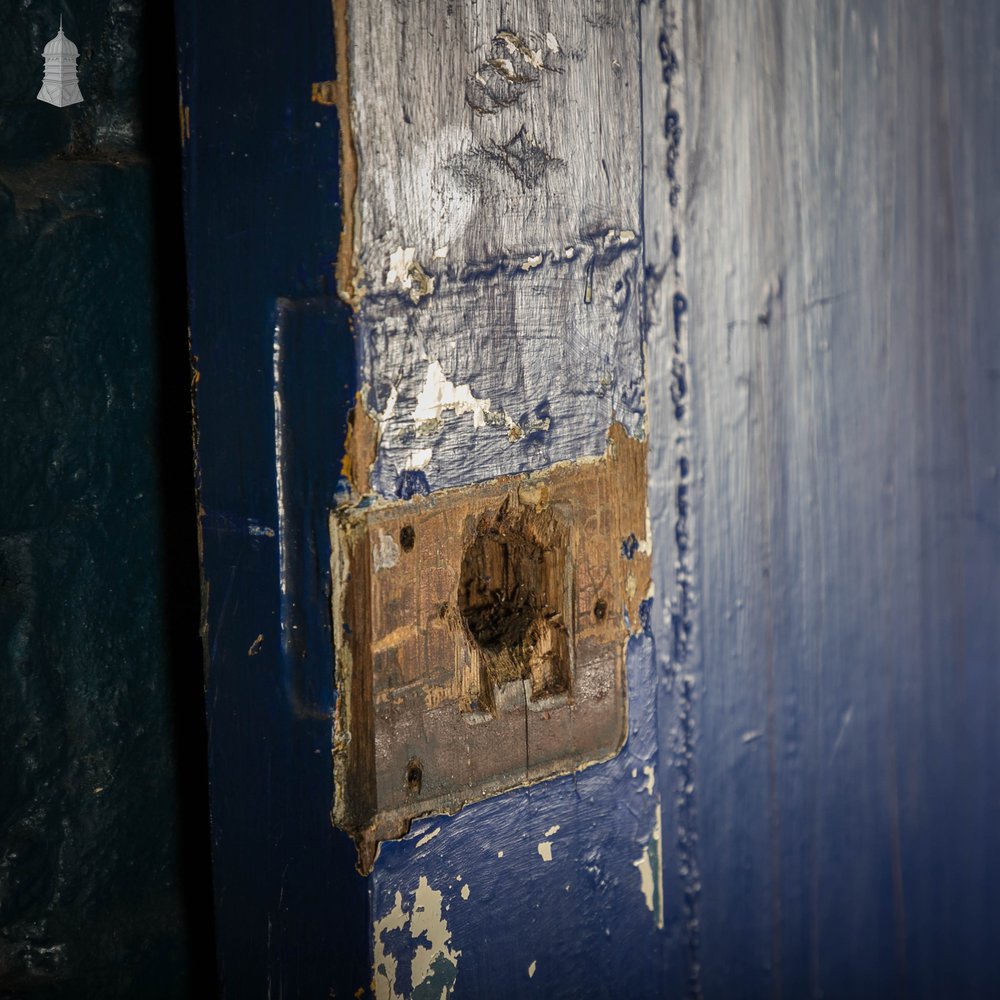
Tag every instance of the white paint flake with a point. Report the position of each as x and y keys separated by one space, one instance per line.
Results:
x=440 y=253
x=499 y=854
x=531 y=969
x=390 y=406
x=650 y=865
x=532 y=262
x=406 y=271
x=428 y=837
x=418 y=459
x=399 y=266
x=550 y=42
x=385 y=552
x=466 y=891
x=384 y=964
x=433 y=962
x=504 y=67
x=545 y=850
x=650 y=773
x=440 y=394
x=552 y=830
x=428 y=922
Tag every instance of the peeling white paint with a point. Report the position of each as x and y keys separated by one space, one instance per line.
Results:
x=428 y=922
x=650 y=865
x=440 y=253
x=650 y=773
x=433 y=962
x=499 y=854
x=531 y=262
x=429 y=837
x=751 y=734
x=550 y=42
x=624 y=236
x=406 y=271
x=384 y=963
x=418 y=459
x=531 y=969
x=390 y=406
x=399 y=266
x=466 y=891
x=439 y=394
x=545 y=850
x=385 y=552
x=552 y=830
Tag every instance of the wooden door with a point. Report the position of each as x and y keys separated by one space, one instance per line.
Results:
x=760 y=238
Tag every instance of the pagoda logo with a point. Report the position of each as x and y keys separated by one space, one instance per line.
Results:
x=59 y=86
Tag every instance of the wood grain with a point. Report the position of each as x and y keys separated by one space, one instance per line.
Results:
x=496 y=230
x=481 y=637
x=836 y=579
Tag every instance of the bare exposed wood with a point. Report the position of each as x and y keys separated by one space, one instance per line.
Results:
x=481 y=636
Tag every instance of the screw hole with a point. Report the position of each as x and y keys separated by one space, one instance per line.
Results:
x=407 y=537
x=414 y=776
x=601 y=610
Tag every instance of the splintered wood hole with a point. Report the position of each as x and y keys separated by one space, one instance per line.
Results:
x=511 y=595
x=407 y=537
x=601 y=610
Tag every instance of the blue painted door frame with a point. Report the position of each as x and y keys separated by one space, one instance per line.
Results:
x=811 y=784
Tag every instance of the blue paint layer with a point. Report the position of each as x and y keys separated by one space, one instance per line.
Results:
x=275 y=361
x=581 y=918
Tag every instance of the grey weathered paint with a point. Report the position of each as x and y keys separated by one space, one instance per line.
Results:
x=526 y=186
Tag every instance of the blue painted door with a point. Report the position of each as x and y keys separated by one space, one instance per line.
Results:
x=807 y=798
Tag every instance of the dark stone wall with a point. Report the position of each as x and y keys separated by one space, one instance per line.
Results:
x=104 y=844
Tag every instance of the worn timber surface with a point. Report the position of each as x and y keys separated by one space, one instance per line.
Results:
x=806 y=799
x=495 y=240
x=481 y=637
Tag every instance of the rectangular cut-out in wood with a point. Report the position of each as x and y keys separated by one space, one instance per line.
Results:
x=481 y=636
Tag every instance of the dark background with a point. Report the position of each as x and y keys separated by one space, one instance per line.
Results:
x=105 y=879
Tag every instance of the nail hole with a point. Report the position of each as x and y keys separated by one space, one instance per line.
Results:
x=407 y=537
x=601 y=610
x=414 y=776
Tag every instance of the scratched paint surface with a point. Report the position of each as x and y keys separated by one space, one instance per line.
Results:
x=496 y=249
x=833 y=476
